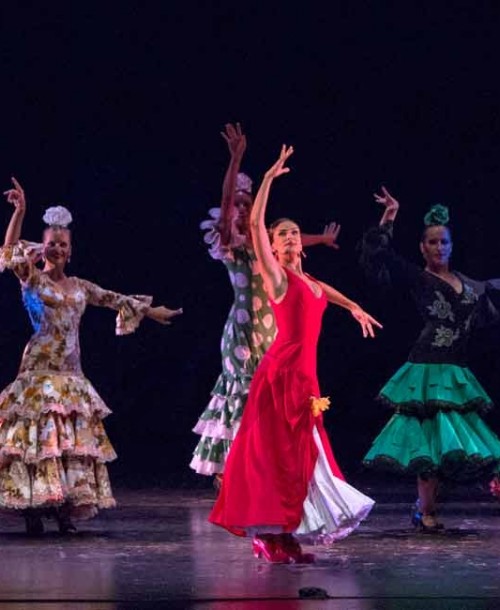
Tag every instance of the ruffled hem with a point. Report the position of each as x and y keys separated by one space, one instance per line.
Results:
x=222 y=417
x=423 y=389
x=450 y=445
x=210 y=456
x=344 y=529
x=206 y=467
x=33 y=394
x=333 y=509
x=216 y=430
x=81 y=483
x=54 y=435
x=218 y=425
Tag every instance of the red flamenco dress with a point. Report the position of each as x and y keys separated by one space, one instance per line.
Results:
x=281 y=475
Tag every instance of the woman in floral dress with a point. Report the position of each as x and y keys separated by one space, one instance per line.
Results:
x=436 y=431
x=250 y=328
x=53 y=446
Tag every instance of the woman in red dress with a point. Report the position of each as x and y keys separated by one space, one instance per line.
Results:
x=281 y=479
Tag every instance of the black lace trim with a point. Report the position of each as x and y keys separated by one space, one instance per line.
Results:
x=454 y=466
x=431 y=408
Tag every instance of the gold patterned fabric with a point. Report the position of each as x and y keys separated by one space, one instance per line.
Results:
x=53 y=446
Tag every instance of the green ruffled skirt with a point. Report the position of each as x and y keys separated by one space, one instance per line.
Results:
x=436 y=429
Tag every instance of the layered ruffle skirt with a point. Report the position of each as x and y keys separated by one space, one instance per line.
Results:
x=53 y=446
x=437 y=429
x=219 y=423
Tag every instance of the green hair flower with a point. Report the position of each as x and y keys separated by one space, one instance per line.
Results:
x=437 y=215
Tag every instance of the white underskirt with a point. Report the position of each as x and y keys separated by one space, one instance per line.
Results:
x=332 y=508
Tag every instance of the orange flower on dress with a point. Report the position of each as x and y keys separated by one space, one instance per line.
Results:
x=318 y=405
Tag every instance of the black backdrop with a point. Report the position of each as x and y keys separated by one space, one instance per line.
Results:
x=114 y=109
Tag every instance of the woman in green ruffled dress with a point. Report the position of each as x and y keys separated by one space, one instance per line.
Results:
x=436 y=431
x=250 y=328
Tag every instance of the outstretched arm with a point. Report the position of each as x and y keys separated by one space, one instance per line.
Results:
x=16 y=197
x=328 y=238
x=236 y=142
x=391 y=206
x=366 y=321
x=272 y=273
x=131 y=309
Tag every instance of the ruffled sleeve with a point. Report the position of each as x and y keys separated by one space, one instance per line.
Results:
x=212 y=238
x=487 y=311
x=21 y=258
x=131 y=309
x=380 y=263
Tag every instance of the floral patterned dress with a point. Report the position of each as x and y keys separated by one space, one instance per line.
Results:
x=53 y=446
x=437 y=428
x=248 y=333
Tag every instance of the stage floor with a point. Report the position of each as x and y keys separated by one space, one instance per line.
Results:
x=156 y=550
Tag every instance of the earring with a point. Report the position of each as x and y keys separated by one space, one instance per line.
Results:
x=303 y=254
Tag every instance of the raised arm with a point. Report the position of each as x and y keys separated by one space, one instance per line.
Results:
x=16 y=197
x=272 y=273
x=366 y=321
x=236 y=142
x=381 y=264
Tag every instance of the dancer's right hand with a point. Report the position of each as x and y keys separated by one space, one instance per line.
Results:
x=235 y=138
x=16 y=197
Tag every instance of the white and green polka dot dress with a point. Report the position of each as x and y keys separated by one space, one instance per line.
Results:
x=248 y=333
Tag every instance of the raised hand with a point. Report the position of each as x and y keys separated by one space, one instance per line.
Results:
x=390 y=204
x=279 y=167
x=386 y=199
x=331 y=234
x=16 y=197
x=366 y=321
x=163 y=315
x=235 y=138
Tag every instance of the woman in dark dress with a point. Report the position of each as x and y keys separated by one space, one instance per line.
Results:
x=436 y=431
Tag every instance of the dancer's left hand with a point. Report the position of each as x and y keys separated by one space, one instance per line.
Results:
x=162 y=314
x=366 y=321
x=331 y=234
x=279 y=167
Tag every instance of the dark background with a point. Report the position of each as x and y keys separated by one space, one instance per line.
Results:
x=114 y=109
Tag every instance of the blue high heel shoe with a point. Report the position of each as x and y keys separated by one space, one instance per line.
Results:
x=418 y=520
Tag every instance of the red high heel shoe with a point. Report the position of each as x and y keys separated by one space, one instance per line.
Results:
x=269 y=547
x=294 y=551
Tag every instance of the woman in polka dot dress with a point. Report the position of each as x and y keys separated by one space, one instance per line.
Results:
x=250 y=326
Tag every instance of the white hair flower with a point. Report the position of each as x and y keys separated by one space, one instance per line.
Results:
x=243 y=183
x=57 y=216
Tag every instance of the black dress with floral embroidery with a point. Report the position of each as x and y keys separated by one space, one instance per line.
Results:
x=449 y=316
x=436 y=427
